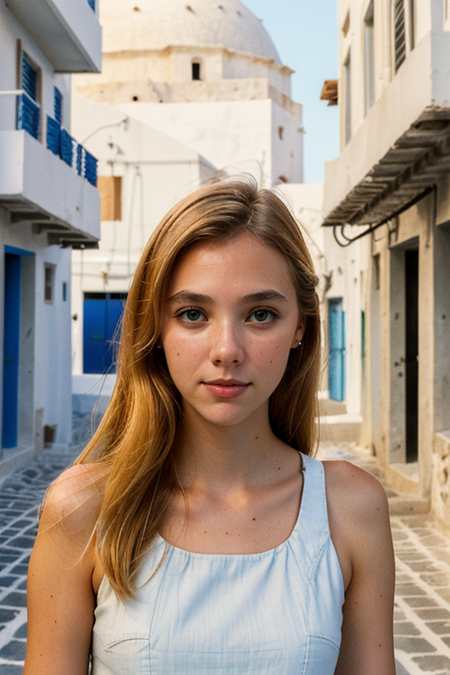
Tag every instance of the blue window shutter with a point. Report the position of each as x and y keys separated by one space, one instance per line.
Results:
x=53 y=136
x=29 y=77
x=58 y=105
x=66 y=147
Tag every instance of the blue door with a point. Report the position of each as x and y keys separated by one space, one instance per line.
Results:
x=11 y=351
x=336 y=341
x=101 y=316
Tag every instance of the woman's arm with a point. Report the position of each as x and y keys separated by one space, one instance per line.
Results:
x=60 y=595
x=359 y=521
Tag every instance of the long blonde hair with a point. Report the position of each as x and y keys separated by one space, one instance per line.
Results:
x=136 y=436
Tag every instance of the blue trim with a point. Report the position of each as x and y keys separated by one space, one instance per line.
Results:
x=80 y=149
x=53 y=136
x=28 y=115
x=66 y=147
x=58 y=105
x=336 y=345
x=29 y=77
x=90 y=168
x=17 y=251
x=13 y=265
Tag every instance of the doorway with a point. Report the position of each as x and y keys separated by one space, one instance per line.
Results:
x=412 y=353
x=18 y=351
x=336 y=342
x=102 y=313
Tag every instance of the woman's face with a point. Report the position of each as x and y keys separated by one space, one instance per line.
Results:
x=231 y=318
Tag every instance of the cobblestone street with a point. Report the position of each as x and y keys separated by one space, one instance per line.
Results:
x=422 y=612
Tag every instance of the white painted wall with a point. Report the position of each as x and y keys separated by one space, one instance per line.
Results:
x=234 y=135
x=31 y=173
x=48 y=338
x=342 y=274
x=156 y=172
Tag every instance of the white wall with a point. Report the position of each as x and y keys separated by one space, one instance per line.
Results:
x=238 y=135
x=49 y=386
x=342 y=274
x=156 y=172
x=30 y=172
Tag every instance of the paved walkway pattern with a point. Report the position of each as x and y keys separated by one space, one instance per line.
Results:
x=422 y=609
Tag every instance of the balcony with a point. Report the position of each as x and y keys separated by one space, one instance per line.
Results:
x=401 y=149
x=67 y=31
x=37 y=186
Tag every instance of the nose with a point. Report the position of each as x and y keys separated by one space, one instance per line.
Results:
x=227 y=346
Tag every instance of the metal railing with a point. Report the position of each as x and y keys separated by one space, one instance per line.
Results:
x=59 y=141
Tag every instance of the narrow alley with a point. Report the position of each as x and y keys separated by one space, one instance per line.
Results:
x=422 y=606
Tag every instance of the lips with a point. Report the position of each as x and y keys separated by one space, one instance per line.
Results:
x=227 y=383
x=226 y=389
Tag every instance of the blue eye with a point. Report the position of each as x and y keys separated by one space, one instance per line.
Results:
x=192 y=315
x=263 y=315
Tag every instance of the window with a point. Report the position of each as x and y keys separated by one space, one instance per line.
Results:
x=346 y=24
x=399 y=32
x=280 y=133
x=58 y=105
x=369 y=55
x=64 y=291
x=348 y=99
x=49 y=280
x=110 y=188
x=196 y=70
x=412 y=24
x=28 y=107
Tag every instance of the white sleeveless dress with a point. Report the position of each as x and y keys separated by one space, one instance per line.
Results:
x=277 y=612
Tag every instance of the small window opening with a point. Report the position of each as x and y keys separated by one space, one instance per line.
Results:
x=196 y=71
x=348 y=99
x=280 y=133
x=135 y=98
x=399 y=33
x=369 y=49
x=49 y=277
x=412 y=24
x=346 y=24
x=64 y=291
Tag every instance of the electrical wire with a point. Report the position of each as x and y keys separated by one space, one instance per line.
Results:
x=372 y=228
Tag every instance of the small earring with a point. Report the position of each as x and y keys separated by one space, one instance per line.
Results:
x=298 y=343
x=158 y=346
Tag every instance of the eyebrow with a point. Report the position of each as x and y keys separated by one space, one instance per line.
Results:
x=198 y=298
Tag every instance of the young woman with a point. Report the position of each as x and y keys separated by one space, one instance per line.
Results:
x=196 y=534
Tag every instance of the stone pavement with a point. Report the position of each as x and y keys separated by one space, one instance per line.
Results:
x=422 y=607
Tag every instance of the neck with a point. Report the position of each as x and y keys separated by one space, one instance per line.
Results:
x=226 y=458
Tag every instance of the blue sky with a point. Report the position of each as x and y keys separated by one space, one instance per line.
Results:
x=305 y=34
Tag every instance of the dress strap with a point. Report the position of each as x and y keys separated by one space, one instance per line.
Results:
x=313 y=525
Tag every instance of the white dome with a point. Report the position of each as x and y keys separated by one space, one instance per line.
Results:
x=135 y=25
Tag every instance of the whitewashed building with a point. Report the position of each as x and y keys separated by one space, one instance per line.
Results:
x=391 y=184
x=186 y=90
x=142 y=173
x=48 y=204
x=207 y=74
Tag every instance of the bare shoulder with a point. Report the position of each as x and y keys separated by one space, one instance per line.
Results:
x=354 y=490
x=74 y=500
